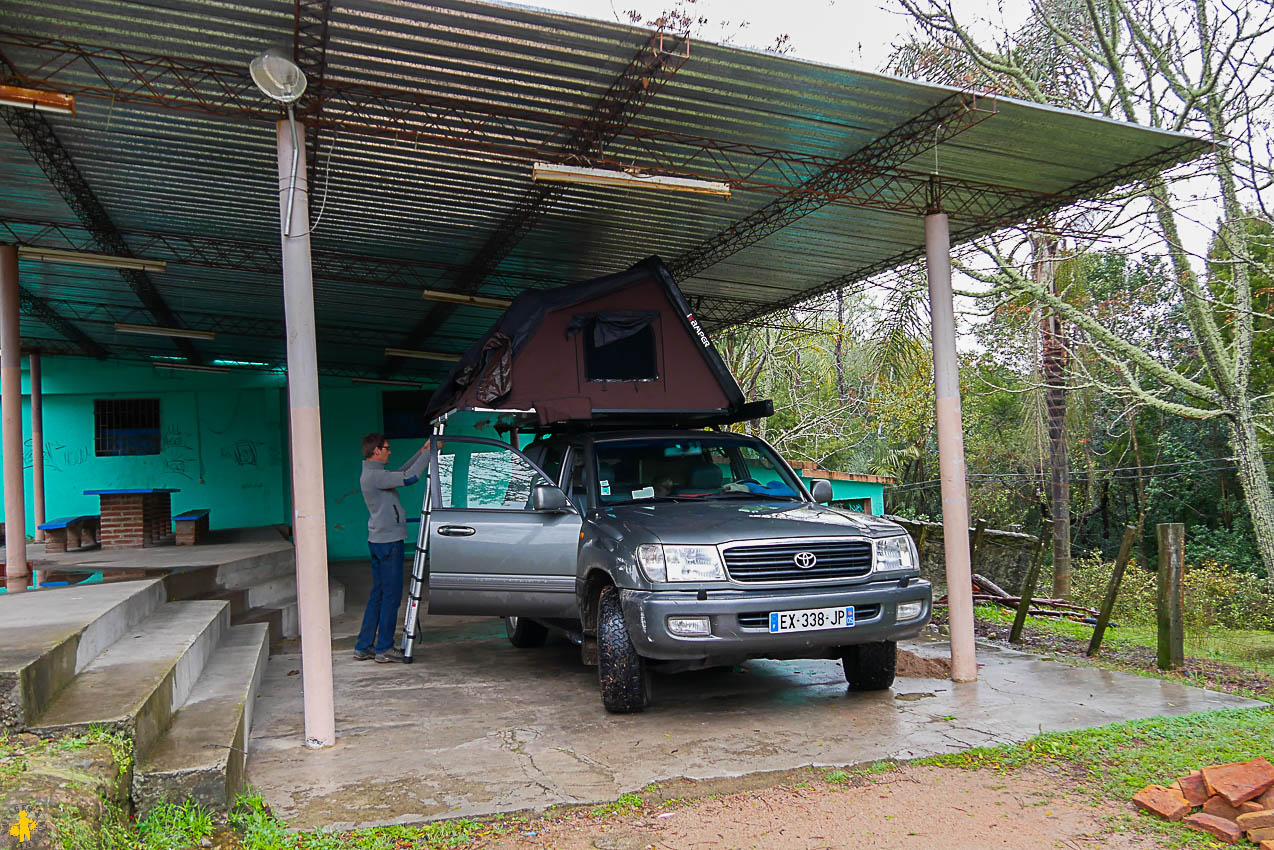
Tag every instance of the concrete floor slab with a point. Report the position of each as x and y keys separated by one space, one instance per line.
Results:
x=477 y=727
x=221 y=546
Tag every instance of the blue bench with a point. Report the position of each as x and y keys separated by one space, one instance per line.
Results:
x=70 y=532
x=191 y=526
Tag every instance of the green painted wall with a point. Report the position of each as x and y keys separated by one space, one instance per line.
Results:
x=853 y=490
x=224 y=445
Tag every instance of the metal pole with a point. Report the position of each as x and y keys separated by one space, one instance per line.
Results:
x=309 y=515
x=37 y=442
x=15 y=512
x=955 y=503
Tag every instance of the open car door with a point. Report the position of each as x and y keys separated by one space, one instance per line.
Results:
x=489 y=551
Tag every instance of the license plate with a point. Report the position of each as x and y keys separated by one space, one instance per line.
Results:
x=811 y=619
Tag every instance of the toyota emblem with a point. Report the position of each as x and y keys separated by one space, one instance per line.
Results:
x=805 y=560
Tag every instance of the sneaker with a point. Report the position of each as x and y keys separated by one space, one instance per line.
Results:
x=388 y=656
x=363 y=655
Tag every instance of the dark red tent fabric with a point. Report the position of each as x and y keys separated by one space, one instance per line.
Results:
x=624 y=346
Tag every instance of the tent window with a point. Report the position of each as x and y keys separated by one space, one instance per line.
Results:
x=631 y=358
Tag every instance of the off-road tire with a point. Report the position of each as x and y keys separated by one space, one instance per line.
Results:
x=524 y=633
x=621 y=672
x=870 y=666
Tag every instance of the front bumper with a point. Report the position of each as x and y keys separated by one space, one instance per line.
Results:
x=738 y=633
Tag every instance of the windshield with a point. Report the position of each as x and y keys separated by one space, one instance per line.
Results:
x=703 y=468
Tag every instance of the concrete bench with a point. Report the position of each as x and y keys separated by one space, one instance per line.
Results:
x=70 y=532
x=191 y=526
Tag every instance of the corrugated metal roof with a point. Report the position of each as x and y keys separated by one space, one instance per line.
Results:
x=432 y=117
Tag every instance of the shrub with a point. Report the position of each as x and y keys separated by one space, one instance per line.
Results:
x=1213 y=595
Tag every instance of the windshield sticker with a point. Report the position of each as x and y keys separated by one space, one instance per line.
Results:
x=605 y=485
x=644 y=493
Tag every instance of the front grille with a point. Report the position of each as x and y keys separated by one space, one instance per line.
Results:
x=761 y=619
x=835 y=559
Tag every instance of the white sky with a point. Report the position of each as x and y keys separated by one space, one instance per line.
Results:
x=850 y=33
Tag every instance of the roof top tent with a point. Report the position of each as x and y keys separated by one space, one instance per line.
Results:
x=618 y=350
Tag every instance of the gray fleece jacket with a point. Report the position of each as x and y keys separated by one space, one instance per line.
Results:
x=387 y=523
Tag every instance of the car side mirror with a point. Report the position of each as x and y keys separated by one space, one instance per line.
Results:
x=821 y=490
x=546 y=497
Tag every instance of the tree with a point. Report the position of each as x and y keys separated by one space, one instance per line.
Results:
x=1198 y=66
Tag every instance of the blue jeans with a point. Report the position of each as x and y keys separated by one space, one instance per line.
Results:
x=387 y=593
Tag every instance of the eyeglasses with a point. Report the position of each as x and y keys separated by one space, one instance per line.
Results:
x=386 y=446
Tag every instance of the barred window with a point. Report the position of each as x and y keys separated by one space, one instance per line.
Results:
x=126 y=426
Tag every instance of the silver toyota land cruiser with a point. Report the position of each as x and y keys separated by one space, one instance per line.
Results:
x=665 y=550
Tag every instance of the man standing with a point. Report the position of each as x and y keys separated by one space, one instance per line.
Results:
x=386 y=531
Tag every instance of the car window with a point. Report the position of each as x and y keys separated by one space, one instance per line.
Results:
x=678 y=468
x=482 y=476
x=575 y=484
x=548 y=457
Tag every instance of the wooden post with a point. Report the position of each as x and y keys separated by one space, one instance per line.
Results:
x=1172 y=553
x=978 y=528
x=1028 y=590
x=1112 y=589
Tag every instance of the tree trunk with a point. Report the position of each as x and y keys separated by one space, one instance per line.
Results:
x=1053 y=362
x=840 y=336
x=1255 y=482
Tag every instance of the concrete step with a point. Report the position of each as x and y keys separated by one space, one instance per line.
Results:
x=257 y=569
x=271 y=618
x=138 y=682
x=291 y=624
x=202 y=754
x=280 y=593
x=48 y=636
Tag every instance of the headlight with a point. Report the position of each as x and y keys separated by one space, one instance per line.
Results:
x=651 y=558
x=680 y=563
x=895 y=553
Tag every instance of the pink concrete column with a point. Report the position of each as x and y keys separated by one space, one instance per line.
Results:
x=37 y=443
x=955 y=498
x=15 y=512
x=309 y=512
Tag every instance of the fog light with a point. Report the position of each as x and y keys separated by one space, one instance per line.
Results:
x=910 y=610
x=690 y=626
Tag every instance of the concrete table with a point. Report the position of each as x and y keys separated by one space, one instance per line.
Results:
x=135 y=518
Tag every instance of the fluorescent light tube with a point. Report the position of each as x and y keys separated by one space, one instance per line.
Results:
x=192 y=367
x=84 y=258
x=386 y=383
x=461 y=298
x=42 y=101
x=547 y=172
x=421 y=355
x=157 y=330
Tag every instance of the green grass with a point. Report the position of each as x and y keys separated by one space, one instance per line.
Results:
x=171 y=826
x=624 y=805
x=1252 y=649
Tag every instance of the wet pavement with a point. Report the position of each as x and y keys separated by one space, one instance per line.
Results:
x=476 y=726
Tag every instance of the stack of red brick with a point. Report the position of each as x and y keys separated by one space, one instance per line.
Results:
x=1228 y=801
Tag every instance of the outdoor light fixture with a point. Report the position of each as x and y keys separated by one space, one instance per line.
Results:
x=547 y=172
x=84 y=258
x=159 y=330
x=192 y=367
x=461 y=298
x=421 y=355
x=281 y=79
x=41 y=101
x=387 y=383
